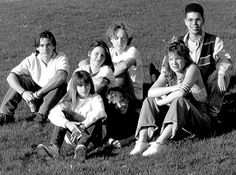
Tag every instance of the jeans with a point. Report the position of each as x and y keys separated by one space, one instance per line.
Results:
x=91 y=138
x=44 y=104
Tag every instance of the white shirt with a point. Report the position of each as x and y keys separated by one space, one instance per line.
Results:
x=136 y=72
x=104 y=72
x=92 y=109
x=39 y=71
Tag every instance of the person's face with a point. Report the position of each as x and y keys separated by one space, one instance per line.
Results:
x=176 y=62
x=194 y=23
x=119 y=41
x=83 y=90
x=45 y=47
x=119 y=102
x=97 y=56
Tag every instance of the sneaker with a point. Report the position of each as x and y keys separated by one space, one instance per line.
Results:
x=5 y=118
x=41 y=118
x=51 y=151
x=139 y=148
x=80 y=153
x=153 y=149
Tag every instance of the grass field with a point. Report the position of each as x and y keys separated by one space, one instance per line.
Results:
x=75 y=23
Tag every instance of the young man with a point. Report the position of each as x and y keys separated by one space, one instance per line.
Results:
x=39 y=79
x=207 y=50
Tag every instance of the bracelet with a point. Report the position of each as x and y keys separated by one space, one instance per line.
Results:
x=22 y=92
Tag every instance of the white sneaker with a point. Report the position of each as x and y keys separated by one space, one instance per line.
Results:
x=139 y=148
x=153 y=149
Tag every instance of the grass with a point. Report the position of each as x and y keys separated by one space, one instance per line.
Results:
x=75 y=23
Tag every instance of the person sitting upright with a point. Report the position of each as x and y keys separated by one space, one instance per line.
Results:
x=39 y=79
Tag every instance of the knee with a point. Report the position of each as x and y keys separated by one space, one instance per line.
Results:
x=178 y=100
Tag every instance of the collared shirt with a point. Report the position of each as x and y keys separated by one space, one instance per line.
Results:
x=39 y=71
x=219 y=53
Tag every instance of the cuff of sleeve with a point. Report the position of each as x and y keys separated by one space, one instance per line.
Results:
x=221 y=72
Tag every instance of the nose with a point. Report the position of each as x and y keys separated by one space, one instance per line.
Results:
x=119 y=40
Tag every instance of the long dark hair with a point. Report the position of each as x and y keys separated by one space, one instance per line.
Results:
x=79 y=77
x=102 y=44
x=175 y=46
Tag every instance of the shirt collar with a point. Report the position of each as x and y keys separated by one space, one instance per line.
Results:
x=200 y=40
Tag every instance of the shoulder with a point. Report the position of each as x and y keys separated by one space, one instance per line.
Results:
x=61 y=56
x=105 y=69
x=132 y=50
x=96 y=98
x=193 y=68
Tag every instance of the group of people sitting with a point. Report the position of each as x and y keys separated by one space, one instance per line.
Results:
x=103 y=100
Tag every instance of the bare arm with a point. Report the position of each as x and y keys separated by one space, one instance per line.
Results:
x=159 y=88
x=191 y=77
x=123 y=66
x=57 y=80
x=15 y=84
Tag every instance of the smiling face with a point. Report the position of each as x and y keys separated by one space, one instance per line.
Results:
x=97 y=56
x=194 y=23
x=119 y=102
x=119 y=41
x=45 y=48
x=176 y=62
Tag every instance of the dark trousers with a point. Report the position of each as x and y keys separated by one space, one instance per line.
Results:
x=91 y=138
x=44 y=104
x=215 y=97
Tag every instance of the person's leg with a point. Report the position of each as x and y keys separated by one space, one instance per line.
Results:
x=151 y=116
x=13 y=98
x=158 y=145
x=214 y=95
x=91 y=138
x=49 y=101
x=181 y=115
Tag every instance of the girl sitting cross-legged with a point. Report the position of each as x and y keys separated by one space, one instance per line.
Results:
x=80 y=112
x=177 y=100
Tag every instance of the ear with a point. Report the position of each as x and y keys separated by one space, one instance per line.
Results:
x=89 y=53
x=185 y=21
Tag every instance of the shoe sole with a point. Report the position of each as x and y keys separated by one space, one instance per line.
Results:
x=80 y=153
x=45 y=149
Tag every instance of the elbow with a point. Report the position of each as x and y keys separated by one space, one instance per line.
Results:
x=10 y=77
x=63 y=77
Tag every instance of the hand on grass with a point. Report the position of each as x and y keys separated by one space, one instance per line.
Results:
x=115 y=143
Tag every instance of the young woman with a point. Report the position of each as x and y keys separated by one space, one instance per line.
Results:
x=99 y=66
x=80 y=112
x=176 y=101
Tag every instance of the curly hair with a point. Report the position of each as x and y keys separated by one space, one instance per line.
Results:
x=115 y=26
